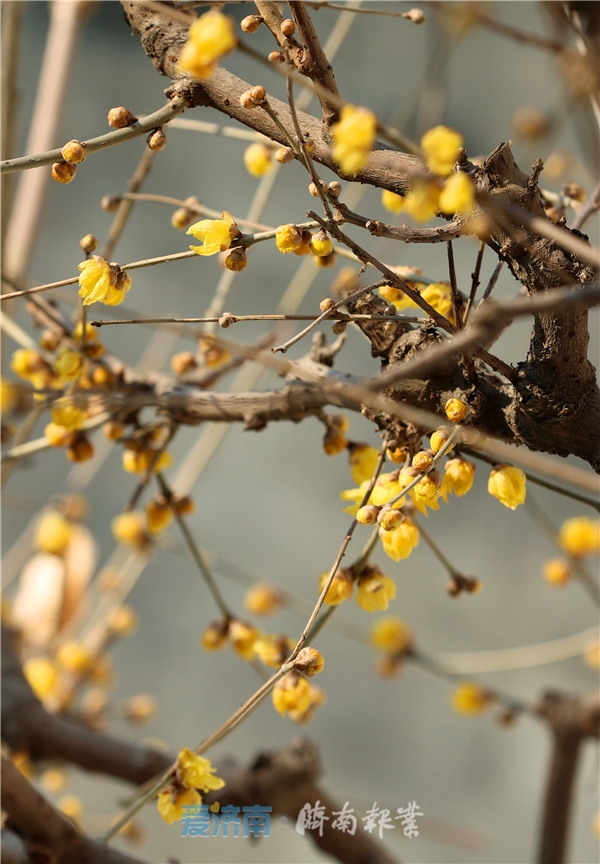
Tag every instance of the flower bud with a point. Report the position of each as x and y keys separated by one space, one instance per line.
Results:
x=88 y=243
x=74 y=657
x=414 y=15
x=396 y=454
x=309 y=143
x=456 y=410
x=120 y=117
x=251 y=23
x=304 y=247
x=158 y=514
x=287 y=238
x=49 y=340
x=237 y=260
x=422 y=460
x=58 y=436
x=334 y=189
x=438 y=439
x=80 y=449
x=140 y=708
x=309 y=661
x=339 y=327
x=110 y=203
x=184 y=504
x=113 y=431
x=215 y=636
x=157 y=140
x=283 y=155
x=182 y=218
x=313 y=190
x=276 y=57
x=183 y=362
x=326 y=304
x=288 y=28
x=246 y=100
x=63 y=172
x=368 y=514
x=74 y=151
x=129 y=529
x=258 y=93
x=390 y=519
x=575 y=191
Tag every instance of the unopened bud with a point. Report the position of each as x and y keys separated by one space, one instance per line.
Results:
x=334 y=189
x=284 y=155
x=309 y=143
x=439 y=438
x=110 y=203
x=80 y=449
x=258 y=93
x=182 y=218
x=113 y=430
x=157 y=140
x=422 y=460
x=309 y=661
x=74 y=151
x=390 y=519
x=120 y=117
x=456 y=410
x=237 y=260
x=368 y=514
x=251 y=23
x=313 y=190
x=49 y=340
x=226 y=320
x=88 y=243
x=340 y=326
x=183 y=362
x=63 y=172
x=326 y=304
x=246 y=100
x=184 y=504
x=414 y=15
x=288 y=28
x=276 y=57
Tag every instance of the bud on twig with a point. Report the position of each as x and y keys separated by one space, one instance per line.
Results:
x=63 y=172
x=120 y=117
x=74 y=152
x=157 y=140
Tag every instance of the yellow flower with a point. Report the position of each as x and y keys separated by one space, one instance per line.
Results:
x=197 y=772
x=242 y=637
x=363 y=460
x=129 y=529
x=158 y=513
x=263 y=599
x=469 y=698
x=455 y=410
x=507 y=484
x=395 y=296
x=66 y=413
x=215 y=636
x=138 y=462
x=8 y=396
x=355 y=495
x=391 y=635
x=68 y=364
x=458 y=477
x=320 y=244
x=53 y=533
x=209 y=38
x=441 y=147
x=74 y=657
x=353 y=138
x=41 y=675
x=317 y=698
x=557 y=572
x=172 y=801
x=25 y=362
x=392 y=202
x=272 y=650
x=257 y=159
x=334 y=441
x=291 y=693
x=400 y=542
x=458 y=195
x=116 y=293
x=387 y=486
x=375 y=591
x=96 y=280
x=438 y=295
x=341 y=588
x=580 y=536
x=592 y=654
x=216 y=235
x=288 y=238
x=422 y=201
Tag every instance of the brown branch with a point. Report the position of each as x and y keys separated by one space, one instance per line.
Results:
x=315 y=63
x=589 y=209
x=571 y=720
x=405 y=233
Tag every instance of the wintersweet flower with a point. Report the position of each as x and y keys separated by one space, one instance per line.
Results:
x=580 y=536
x=470 y=699
x=310 y=662
x=66 y=413
x=257 y=159
x=41 y=675
x=392 y=202
x=355 y=495
x=215 y=636
x=391 y=635
x=117 y=292
x=458 y=477
x=353 y=138
x=288 y=238
x=317 y=698
x=441 y=147
x=400 y=542
x=242 y=636
x=423 y=200
x=129 y=529
x=507 y=484
x=375 y=590
x=557 y=572
x=458 y=195
x=158 y=515
x=210 y=37
x=197 y=772
x=52 y=533
x=263 y=599
x=291 y=693
x=341 y=588
x=68 y=364
x=363 y=460
x=216 y=235
x=74 y=657
x=395 y=296
x=455 y=410
x=171 y=802
x=387 y=486
x=272 y=650
x=96 y=279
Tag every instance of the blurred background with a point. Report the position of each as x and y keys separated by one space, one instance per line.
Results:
x=268 y=503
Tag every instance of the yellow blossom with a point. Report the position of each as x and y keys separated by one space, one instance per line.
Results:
x=288 y=238
x=209 y=38
x=8 y=396
x=53 y=533
x=116 y=293
x=355 y=495
x=375 y=591
x=353 y=138
x=215 y=636
x=291 y=693
x=592 y=654
x=341 y=588
x=363 y=460
x=438 y=295
x=129 y=529
x=456 y=410
x=458 y=477
x=441 y=147
x=392 y=202
x=197 y=772
x=74 y=657
x=158 y=514
x=66 y=413
x=507 y=484
x=96 y=280
x=469 y=698
x=263 y=599
x=242 y=637
x=317 y=698
x=438 y=439
x=557 y=572
x=41 y=675
x=272 y=650
x=257 y=159
x=138 y=462
x=458 y=195
x=25 y=362
x=320 y=244
x=387 y=486
x=172 y=801
x=368 y=514
x=400 y=542
x=216 y=235
x=580 y=536
x=395 y=296
x=53 y=780
x=391 y=635
x=68 y=364
x=422 y=201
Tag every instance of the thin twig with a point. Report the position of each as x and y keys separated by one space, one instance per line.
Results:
x=456 y=298
x=474 y=281
x=336 y=316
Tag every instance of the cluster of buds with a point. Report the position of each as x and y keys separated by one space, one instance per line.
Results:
x=253 y=97
x=241 y=635
x=159 y=511
x=458 y=585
